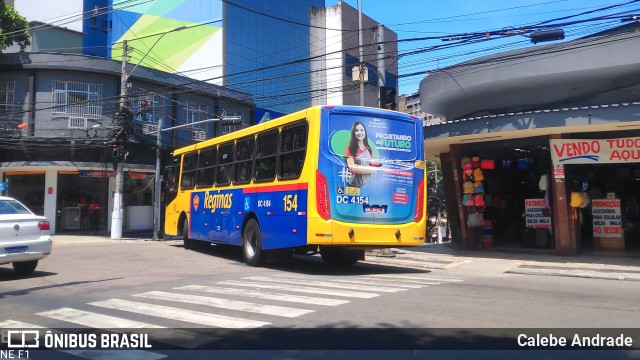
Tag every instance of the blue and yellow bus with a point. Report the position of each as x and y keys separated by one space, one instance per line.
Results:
x=334 y=179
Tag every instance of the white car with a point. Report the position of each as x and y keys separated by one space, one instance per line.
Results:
x=25 y=237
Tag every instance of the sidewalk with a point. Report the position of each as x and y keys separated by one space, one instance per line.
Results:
x=443 y=257
x=514 y=261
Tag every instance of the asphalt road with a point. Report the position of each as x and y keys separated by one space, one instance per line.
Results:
x=140 y=284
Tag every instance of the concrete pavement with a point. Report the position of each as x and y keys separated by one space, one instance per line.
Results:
x=445 y=257
x=515 y=261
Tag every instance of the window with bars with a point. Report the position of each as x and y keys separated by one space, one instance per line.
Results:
x=7 y=94
x=76 y=122
x=77 y=99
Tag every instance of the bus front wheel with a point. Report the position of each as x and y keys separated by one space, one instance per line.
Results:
x=187 y=243
x=252 y=244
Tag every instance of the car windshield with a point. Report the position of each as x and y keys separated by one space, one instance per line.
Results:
x=12 y=207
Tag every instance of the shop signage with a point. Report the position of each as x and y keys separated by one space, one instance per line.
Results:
x=558 y=172
x=607 y=219
x=95 y=173
x=536 y=214
x=593 y=151
x=141 y=175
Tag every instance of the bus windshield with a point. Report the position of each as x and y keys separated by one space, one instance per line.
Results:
x=373 y=162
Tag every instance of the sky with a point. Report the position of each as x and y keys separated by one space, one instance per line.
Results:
x=430 y=18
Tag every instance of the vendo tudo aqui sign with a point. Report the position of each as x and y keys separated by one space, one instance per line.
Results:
x=592 y=151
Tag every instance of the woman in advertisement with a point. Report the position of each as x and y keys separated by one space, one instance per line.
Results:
x=359 y=155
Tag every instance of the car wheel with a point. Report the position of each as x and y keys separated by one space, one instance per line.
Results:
x=25 y=267
x=252 y=244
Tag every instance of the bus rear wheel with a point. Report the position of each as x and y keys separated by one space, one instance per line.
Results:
x=252 y=244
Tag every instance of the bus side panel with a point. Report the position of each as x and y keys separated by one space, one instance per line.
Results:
x=172 y=213
x=216 y=215
x=282 y=214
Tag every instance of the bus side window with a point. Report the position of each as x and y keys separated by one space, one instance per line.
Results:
x=206 y=168
x=266 y=153
x=244 y=161
x=189 y=167
x=225 y=164
x=293 y=144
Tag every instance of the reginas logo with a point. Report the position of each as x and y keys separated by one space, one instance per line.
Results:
x=215 y=201
x=196 y=202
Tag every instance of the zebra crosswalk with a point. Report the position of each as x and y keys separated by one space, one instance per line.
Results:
x=248 y=303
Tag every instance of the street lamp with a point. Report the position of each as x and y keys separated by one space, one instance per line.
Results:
x=116 y=215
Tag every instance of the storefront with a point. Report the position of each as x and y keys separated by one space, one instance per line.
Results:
x=603 y=179
x=566 y=194
x=80 y=201
x=505 y=197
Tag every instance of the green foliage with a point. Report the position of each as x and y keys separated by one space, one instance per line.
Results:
x=13 y=28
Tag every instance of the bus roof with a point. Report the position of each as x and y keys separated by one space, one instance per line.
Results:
x=275 y=123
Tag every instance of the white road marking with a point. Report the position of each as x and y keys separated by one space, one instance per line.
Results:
x=95 y=320
x=227 y=304
x=265 y=295
x=181 y=338
x=414 y=278
x=190 y=316
x=354 y=280
x=302 y=289
x=329 y=284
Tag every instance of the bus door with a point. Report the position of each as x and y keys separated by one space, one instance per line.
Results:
x=169 y=194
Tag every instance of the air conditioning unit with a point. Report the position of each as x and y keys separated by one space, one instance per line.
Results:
x=199 y=135
x=77 y=122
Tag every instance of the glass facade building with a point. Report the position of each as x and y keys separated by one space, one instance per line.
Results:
x=267 y=51
x=258 y=47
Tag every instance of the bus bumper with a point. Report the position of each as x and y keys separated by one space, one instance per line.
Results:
x=339 y=233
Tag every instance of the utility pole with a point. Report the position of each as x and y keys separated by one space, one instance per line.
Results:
x=438 y=220
x=157 y=199
x=381 y=67
x=116 y=215
x=360 y=42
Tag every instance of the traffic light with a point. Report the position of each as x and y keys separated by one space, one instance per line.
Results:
x=388 y=98
x=122 y=119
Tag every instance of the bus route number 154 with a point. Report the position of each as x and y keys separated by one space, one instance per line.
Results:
x=290 y=202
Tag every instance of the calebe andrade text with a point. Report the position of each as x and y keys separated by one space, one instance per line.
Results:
x=550 y=340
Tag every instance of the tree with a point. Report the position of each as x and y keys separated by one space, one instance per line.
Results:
x=436 y=208
x=13 y=28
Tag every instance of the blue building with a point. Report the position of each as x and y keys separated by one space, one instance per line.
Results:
x=258 y=47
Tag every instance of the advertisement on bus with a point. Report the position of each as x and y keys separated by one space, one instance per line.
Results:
x=372 y=167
